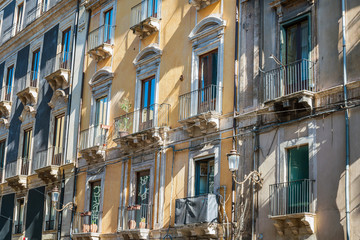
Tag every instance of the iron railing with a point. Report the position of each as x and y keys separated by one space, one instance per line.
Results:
x=24 y=164
x=62 y=60
x=100 y=35
x=34 y=13
x=49 y=225
x=156 y=115
x=94 y=136
x=200 y=101
x=19 y=167
x=18 y=228
x=6 y=93
x=29 y=80
x=291 y=78
x=87 y=222
x=136 y=217
x=11 y=169
x=142 y=11
x=47 y=157
x=292 y=197
x=8 y=33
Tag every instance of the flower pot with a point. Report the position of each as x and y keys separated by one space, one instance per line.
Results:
x=132 y=224
x=123 y=133
x=136 y=207
x=85 y=228
x=142 y=224
x=93 y=228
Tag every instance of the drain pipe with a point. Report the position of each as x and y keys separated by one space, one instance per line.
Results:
x=347 y=195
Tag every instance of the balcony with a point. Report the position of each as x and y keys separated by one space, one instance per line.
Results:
x=28 y=94
x=34 y=13
x=142 y=127
x=199 y=4
x=197 y=217
x=290 y=86
x=100 y=44
x=93 y=143
x=144 y=19
x=16 y=174
x=18 y=228
x=47 y=162
x=87 y=225
x=136 y=222
x=5 y=102
x=201 y=109
x=59 y=77
x=292 y=206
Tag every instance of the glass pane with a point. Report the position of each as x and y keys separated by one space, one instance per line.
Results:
x=143 y=182
x=305 y=40
x=211 y=176
x=95 y=202
x=291 y=44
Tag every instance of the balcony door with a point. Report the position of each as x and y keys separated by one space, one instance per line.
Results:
x=35 y=68
x=297 y=49
x=152 y=8
x=208 y=72
x=108 y=26
x=58 y=140
x=142 y=196
x=204 y=176
x=100 y=119
x=65 y=55
x=298 y=174
x=95 y=196
x=26 y=151
x=19 y=216
x=9 y=82
x=147 y=106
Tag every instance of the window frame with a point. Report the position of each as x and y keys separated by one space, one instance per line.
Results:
x=18 y=215
x=198 y=175
x=47 y=213
x=19 y=19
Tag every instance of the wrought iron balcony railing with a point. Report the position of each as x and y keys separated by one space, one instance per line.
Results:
x=288 y=79
x=18 y=228
x=142 y=11
x=94 y=136
x=136 y=217
x=19 y=167
x=62 y=60
x=292 y=198
x=87 y=222
x=50 y=225
x=156 y=115
x=6 y=93
x=100 y=35
x=24 y=164
x=200 y=101
x=47 y=157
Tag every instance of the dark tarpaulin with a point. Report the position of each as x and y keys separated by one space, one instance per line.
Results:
x=7 y=211
x=34 y=213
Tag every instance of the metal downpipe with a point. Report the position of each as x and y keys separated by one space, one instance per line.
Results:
x=347 y=141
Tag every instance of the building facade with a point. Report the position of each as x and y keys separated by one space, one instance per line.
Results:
x=156 y=121
x=291 y=119
x=41 y=54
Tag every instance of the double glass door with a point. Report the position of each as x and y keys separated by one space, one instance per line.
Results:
x=147 y=108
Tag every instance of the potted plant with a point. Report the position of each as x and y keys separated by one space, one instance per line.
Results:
x=124 y=123
x=132 y=224
x=142 y=223
x=93 y=227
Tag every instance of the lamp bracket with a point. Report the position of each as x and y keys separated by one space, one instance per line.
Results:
x=253 y=176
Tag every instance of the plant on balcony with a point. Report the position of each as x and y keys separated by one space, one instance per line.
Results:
x=142 y=223
x=124 y=123
x=132 y=224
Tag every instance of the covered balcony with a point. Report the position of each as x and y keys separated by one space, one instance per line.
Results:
x=292 y=206
x=59 y=76
x=143 y=127
x=290 y=86
x=16 y=173
x=93 y=143
x=197 y=217
x=46 y=163
x=87 y=225
x=144 y=18
x=201 y=109
x=34 y=13
x=199 y=4
x=100 y=44
x=29 y=89
x=136 y=222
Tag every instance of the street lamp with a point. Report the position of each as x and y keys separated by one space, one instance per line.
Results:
x=233 y=159
x=55 y=199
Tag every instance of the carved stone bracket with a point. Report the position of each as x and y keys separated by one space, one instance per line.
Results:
x=48 y=174
x=294 y=223
x=57 y=95
x=28 y=111
x=93 y=154
x=134 y=234
x=18 y=182
x=101 y=52
x=204 y=122
x=28 y=96
x=59 y=79
x=86 y=236
x=146 y=27
x=199 y=4
x=5 y=108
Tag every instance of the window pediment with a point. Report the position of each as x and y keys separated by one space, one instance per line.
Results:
x=148 y=54
x=102 y=77
x=209 y=25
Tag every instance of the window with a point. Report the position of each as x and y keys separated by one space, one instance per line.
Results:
x=298 y=176
x=65 y=54
x=297 y=41
x=152 y=8
x=58 y=140
x=100 y=120
x=50 y=213
x=20 y=17
x=26 y=152
x=95 y=196
x=2 y=157
x=19 y=216
x=108 y=26
x=147 y=103
x=45 y=4
x=204 y=177
x=35 y=68
x=9 y=82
